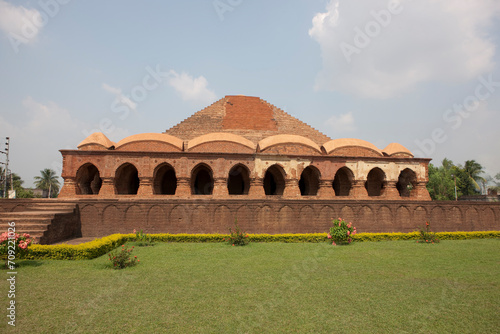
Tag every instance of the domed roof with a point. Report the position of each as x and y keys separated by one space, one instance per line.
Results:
x=396 y=149
x=220 y=136
x=97 y=138
x=336 y=144
x=287 y=139
x=151 y=137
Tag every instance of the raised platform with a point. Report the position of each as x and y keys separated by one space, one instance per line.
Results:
x=101 y=217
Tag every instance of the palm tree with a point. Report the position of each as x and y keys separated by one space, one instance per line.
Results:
x=474 y=171
x=47 y=181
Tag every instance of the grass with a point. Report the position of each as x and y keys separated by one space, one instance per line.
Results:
x=382 y=287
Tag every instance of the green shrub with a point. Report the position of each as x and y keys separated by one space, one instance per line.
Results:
x=237 y=237
x=143 y=239
x=122 y=258
x=99 y=247
x=426 y=236
x=341 y=233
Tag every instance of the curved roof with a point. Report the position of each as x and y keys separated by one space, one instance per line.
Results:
x=287 y=139
x=220 y=136
x=332 y=145
x=97 y=138
x=159 y=137
x=395 y=148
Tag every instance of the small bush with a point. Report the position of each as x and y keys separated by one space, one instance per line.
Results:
x=341 y=233
x=122 y=258
x=143 y=239
x=237 y=237
x=426 y=236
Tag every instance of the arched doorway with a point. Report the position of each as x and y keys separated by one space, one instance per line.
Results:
x=88 y=180
x=375 y=182
x=202 y=182
x=342 y=183
x=164 y=181
x=309 y=181
x=126 y=180
x=406 y=182
x=238 y=181
x=274 y=180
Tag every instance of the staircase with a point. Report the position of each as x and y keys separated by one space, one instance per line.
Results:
x=47 y=222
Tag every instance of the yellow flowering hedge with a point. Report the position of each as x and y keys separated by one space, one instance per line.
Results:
x=99 y=247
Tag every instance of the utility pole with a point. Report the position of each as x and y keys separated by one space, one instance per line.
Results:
x=455 y=177
x=5 y=190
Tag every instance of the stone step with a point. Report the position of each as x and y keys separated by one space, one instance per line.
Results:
x=22 y=227
x=30 y=214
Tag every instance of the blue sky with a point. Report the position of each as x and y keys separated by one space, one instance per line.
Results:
x=421 y=73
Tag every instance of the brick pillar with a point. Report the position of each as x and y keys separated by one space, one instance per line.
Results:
x=420 y=192
x=358 y=190
x=145 y=187
x=220 y=187
x=183 y=187
x=326 y=189
x=390 y=191
x=69 y=188
x=291 y=188
x=256 y=188
x=107 y=187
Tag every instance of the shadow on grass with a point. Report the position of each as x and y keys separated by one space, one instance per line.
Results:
x=23 y=263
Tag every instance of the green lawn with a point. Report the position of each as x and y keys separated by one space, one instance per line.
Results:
x=369 y=287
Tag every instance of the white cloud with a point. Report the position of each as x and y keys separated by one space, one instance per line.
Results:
x=19 y=22
x=190 y=88
x=371 y=55
x=120 y=97
x=342 y=123
x=45 y=129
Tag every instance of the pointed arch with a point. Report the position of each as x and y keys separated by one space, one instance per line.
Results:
x=202 y=181
x=126 y=180
x=342 y=183
x=238 y=181
x=375 y=182
x=164 y=180
x=274 y=180
x=309 y=181
x=407 y=181
x=88 y=180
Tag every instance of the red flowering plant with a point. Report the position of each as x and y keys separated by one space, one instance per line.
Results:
x=341 y=232
x=237 y=237
x=14 y=245
x=123 y=258
x=426 y=236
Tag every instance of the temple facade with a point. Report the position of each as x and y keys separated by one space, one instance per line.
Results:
x=237 y=148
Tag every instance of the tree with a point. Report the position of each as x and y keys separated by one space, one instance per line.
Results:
x=441 y=185
x=17 y=183
x=494 y=181
x=473 y=170
x=48 y=181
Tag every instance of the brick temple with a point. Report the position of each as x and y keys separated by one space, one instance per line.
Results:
x=242 y=147
x=240 y=158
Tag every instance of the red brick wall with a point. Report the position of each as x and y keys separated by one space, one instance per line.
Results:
x=107 y=216
x=275 y=216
